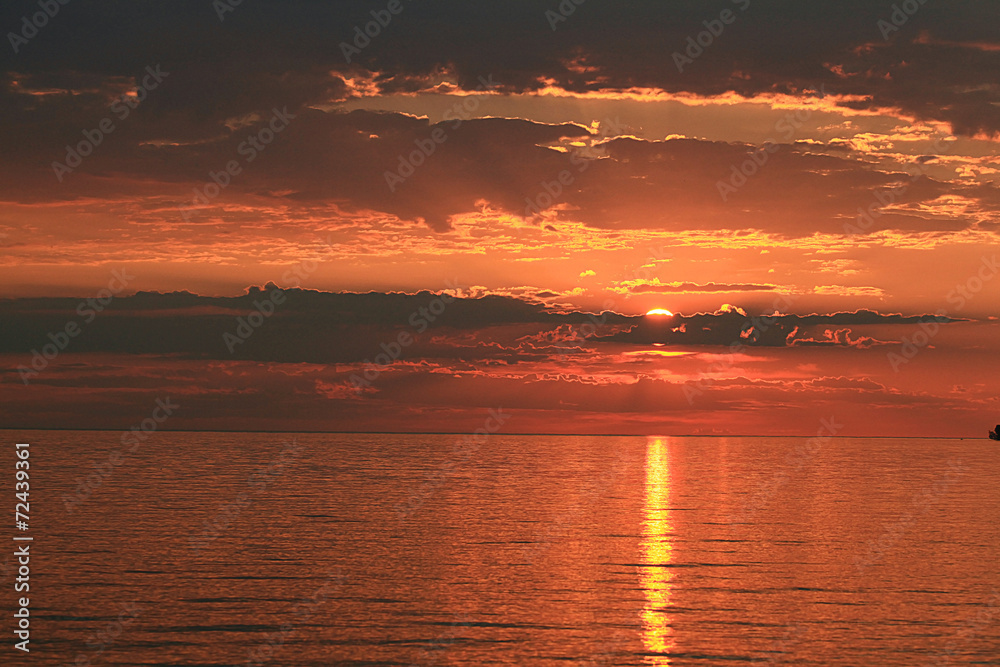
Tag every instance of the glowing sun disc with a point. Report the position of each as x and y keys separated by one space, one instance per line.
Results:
x=660 y=311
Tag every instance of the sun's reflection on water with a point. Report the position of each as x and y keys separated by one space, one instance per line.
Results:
x=655 y=573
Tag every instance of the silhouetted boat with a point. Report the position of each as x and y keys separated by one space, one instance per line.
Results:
x=995 y=435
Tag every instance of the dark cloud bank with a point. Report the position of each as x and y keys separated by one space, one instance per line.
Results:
x=323 y=327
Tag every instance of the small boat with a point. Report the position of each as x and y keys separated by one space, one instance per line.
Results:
x=995 y=435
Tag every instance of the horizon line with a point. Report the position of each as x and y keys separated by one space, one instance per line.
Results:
x=594 y=435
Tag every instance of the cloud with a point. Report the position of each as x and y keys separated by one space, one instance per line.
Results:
x=507 y=189
x=370 y=166
x=838 y=338
x=734 y=327
x=308 y=326
x=316 y=327
x=655 y=287
x=286 y=52
x=863 y=316
x=193 y=124
x=560 y=371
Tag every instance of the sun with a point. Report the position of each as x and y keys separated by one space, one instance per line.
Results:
x=660 y=311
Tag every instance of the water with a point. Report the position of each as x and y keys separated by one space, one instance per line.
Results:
x=385 y=549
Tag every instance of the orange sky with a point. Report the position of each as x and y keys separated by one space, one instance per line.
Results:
x=565 y=173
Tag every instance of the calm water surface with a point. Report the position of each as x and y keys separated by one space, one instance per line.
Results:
x=237 y=549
